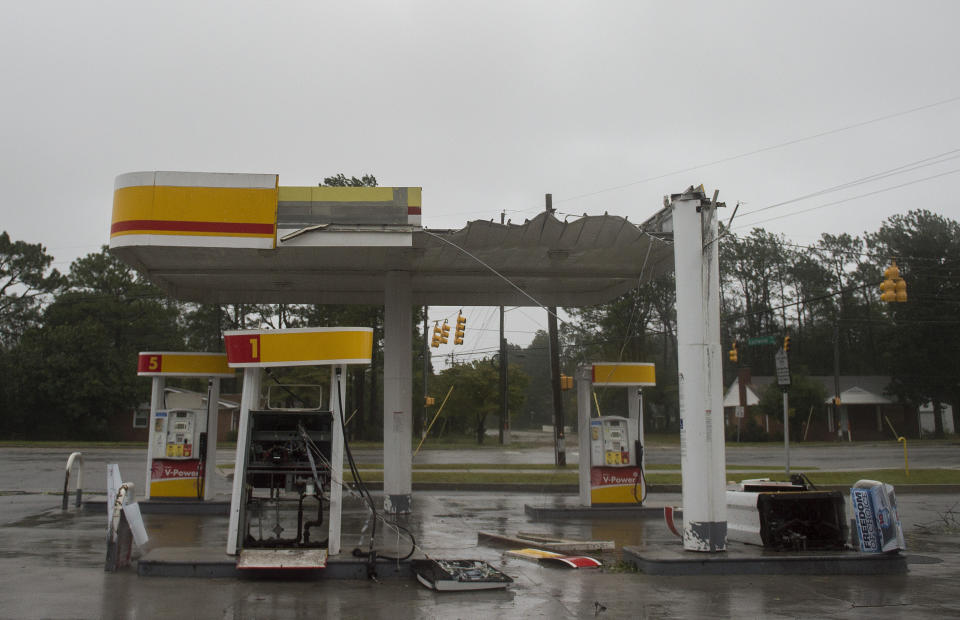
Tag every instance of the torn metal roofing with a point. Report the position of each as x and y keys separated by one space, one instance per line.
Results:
x=580 y=262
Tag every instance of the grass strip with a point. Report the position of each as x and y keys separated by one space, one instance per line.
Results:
x=549 y=467
x=890 y=476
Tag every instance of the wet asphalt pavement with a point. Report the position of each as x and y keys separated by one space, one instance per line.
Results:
x=51 y=562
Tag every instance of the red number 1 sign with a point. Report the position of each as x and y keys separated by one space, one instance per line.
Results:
x=242 y=348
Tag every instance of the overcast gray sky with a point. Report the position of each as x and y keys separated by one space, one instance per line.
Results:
x=486 y=105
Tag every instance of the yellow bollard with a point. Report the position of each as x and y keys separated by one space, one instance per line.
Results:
x=906 y=464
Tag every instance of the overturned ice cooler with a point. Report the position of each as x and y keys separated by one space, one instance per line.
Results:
x=875 y=517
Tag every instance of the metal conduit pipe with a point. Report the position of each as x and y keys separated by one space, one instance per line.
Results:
x=75 y=457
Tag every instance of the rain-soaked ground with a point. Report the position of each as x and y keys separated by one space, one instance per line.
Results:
x=51 y=566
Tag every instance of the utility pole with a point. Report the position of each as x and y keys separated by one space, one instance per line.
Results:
x=558 y=435
x=835 y=409
x=426 y=370
x=504 y=403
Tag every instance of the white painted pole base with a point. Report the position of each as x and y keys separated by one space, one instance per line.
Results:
x=702 y=458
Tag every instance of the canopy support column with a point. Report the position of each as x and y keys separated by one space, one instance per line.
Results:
x=157 y=388
x=250 y=399
x=584 y=378
x=397 y=393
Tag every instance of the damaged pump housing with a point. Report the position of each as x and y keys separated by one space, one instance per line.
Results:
x=786 y=516
x=287 y=477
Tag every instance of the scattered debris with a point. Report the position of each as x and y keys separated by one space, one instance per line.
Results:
x=542 y=556
x=124 y=523
x=947 y=522
x=668 y=517
x=785 y=516
x=458 y=575
x=559 y=545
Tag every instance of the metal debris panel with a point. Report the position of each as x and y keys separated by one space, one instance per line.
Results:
x=457 y=575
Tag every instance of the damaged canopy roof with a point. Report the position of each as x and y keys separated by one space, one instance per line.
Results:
x=580 y=262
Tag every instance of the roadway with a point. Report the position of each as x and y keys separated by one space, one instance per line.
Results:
x=40 y=469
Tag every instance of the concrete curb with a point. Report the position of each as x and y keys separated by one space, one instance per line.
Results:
x=561 y=489
x=756 y=561
x=211 y=564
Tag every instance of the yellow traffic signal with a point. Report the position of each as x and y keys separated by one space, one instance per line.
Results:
x=429 y=401
x=461 y=327
x=566 y=382
x=435 y=341
x=444 y=332
x=893 y=288
x=786 y=343
x=733 y=355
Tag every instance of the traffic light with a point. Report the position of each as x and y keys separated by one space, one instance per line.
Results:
x=429 y=401
x=566 y=382
x=435 y=341
x=444 y=332
x=461 y=326
x=893 y=288
x=733 y=355
x=786 y=344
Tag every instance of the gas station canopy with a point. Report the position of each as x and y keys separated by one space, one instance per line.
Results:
x=241 y=238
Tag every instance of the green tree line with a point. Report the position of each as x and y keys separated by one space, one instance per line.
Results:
x=815 y=294
x=69 y=342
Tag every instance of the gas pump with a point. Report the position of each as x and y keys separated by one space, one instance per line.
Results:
x=179 y=453
x=611 y=452
x=290 y=449
x=177 y=433
x=178 y=450
x=610 y=442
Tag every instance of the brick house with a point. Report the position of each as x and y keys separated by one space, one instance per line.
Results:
x=865 y=412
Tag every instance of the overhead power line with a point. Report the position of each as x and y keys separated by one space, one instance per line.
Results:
x=851 y=198
x=910 y=167
x=766 y=148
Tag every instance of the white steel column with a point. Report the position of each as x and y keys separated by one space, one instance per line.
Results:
x=584 y=387
x=156 y=404
x=338 y=388
x=397 y=393
x=249 y=400
x=702 y=459
x=213 y=414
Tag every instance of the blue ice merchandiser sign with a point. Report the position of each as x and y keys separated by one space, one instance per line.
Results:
x=876 y=518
